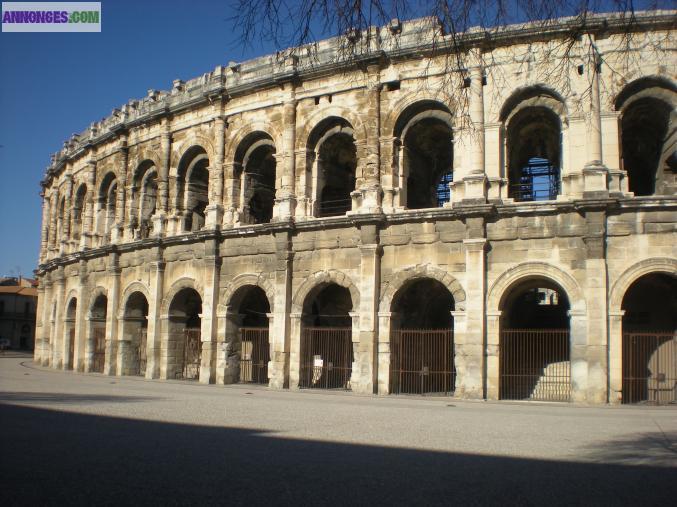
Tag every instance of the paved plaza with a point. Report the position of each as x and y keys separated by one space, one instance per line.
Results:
x=71 y=438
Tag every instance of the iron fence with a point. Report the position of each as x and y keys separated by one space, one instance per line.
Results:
x=99 y=355
x=649 y=367
x=535 y=365
x=326 y=357
x=192 y=354
x=254 y=355
x=422 y=361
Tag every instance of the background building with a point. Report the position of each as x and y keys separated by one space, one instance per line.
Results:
x=387 y=223
x=18 y=303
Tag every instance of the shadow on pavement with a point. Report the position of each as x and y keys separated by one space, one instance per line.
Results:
x=52 y=457
x=655 y=448
x=68 y=399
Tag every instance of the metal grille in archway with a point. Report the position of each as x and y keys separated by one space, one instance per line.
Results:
x=254 y=355
x=71 y=349
x=326 y=357
x=422 y=361
x=535 y=365
x=650 y=368
x=99 y=356
x=192 y=354
x=141 y=351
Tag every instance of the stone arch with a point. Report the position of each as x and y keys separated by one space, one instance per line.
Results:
x=243 y=280
x=422 y=271
x=73 y=293
x=409 y=101
x=633 y=273
x=663 y=86
x=180 y=148
x=99 y=290
x=515 y=275
x=316 y=118
x=143 y=157
x=246 y=131
x=133 y=287
x=531 y=96
x=325 y=277
x=178 y=285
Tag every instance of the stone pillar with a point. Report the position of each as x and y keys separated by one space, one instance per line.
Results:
x=154 y=331
x=231 y=195
x=469 y=326
x=285 y=197
x=369 y=193
x=208 y=331
x=282 y=337
x=40 y=321
x=88 y=231
x=118 y=230
x=215 y=208
x=229 y=346
x=303 y=182
x=595 y=287
x=294 y=349
x=475 y=180
x=493 y=349
x=595 y=172
x=616 y=356
x=110 y=367
x=66 y=223
x=49 y=322
x=578 y=355
x=53 y=214
x=80 y=351
x=57 y=339
x=160 y=216
x=44 y=229
x=364 y=375
x=387 y=321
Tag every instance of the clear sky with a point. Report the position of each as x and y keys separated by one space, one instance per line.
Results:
x=56 y=84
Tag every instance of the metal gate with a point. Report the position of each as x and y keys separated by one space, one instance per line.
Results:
x=535 y=365
x=141 y=351
x=192 y=354
x=71 y=349
x=326 y=357
x=650 y=368
x=254 y=355
x=422 y=361
x=99 y=355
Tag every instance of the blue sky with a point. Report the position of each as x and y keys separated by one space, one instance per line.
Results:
x=55 y=84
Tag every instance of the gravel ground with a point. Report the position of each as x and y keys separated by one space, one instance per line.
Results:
x=69 y=438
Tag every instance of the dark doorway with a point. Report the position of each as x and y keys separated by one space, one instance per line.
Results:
x=184 y=335
x=534 y=344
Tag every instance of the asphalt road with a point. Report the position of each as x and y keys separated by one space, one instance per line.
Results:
x=71 y=439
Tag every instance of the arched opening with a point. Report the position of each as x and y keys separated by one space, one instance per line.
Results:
x=78 y=211
x=424 y=155
x=97 y=333
x=649 y=352
x=106 y=206
x=250 y=346
x=648 y=137
x=134 y=331
x=326 y=338
x=534 y=342
x=60 y=219
x=534 y=154
x=334 y=159
x=255 y=172
x=144 y=199
x=69 y=333
x=422 y=339
x=193 y=188
x=184 y=345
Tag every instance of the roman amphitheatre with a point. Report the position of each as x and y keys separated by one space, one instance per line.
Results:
x=390 y=223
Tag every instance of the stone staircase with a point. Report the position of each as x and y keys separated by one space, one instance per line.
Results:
x=554 y=384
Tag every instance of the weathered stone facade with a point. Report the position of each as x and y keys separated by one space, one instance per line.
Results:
x=294 y=176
